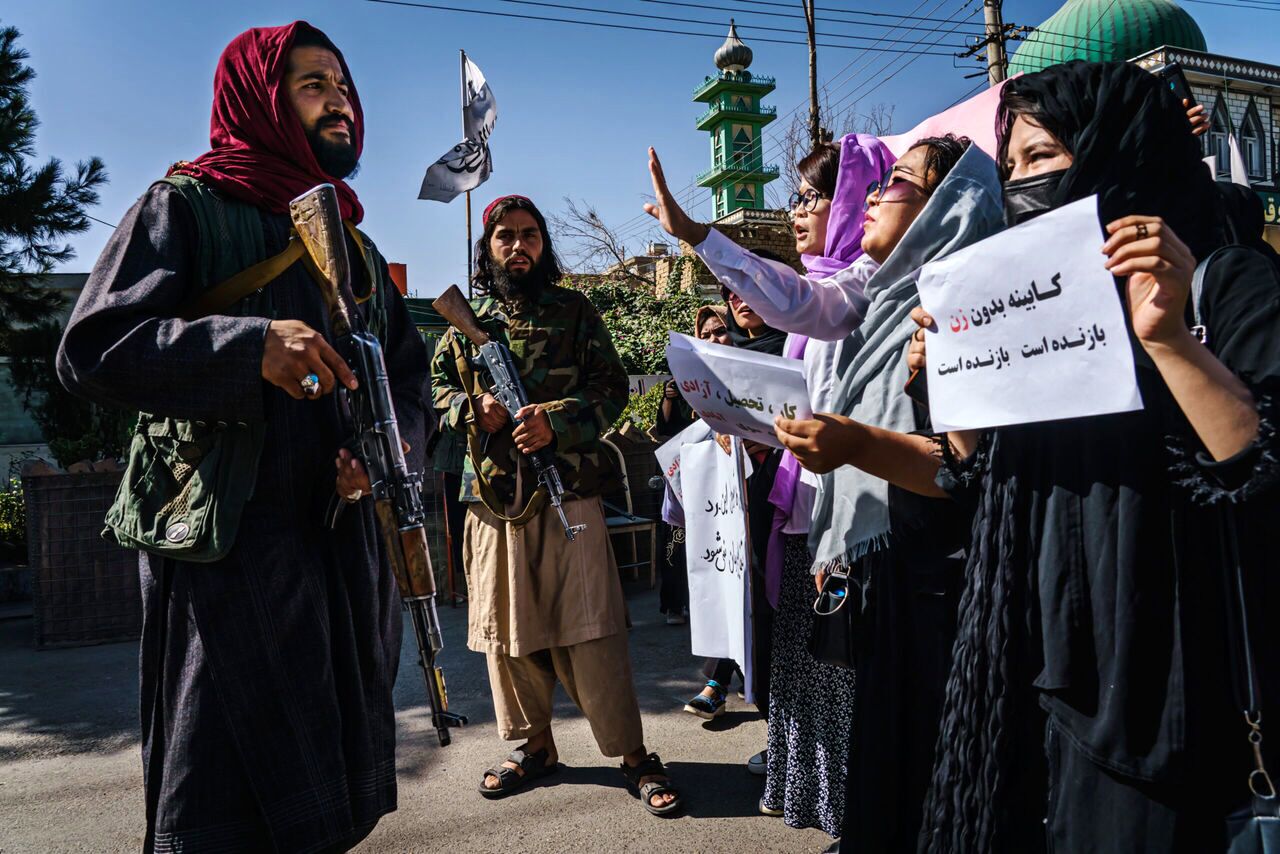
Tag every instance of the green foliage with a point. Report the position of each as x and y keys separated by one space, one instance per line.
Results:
x=39 y=204
x=75 y=429
x=638 y=321
x=642 y=409
x=13 y=521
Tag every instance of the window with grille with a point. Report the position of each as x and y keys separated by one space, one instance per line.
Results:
x=1252 y=143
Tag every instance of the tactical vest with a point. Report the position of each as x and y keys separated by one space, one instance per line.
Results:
x=187 y=482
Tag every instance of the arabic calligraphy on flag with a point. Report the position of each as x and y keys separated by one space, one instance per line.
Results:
x=468 y=164
x=1029 y=327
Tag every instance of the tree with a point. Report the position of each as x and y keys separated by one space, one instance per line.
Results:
x=39 y=205
x=75 y=429
x=594 y=246
x=797 y=140
x=638 y=322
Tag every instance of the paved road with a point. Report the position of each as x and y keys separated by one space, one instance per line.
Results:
x=70 y=774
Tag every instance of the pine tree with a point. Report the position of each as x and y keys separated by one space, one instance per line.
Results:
x=39 y=205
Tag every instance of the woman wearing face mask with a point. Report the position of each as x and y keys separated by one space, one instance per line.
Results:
x=1090 y=705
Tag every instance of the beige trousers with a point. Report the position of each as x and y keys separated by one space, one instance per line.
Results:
x=596 y=674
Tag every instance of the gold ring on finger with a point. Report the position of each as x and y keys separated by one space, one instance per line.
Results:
x=1142 y=230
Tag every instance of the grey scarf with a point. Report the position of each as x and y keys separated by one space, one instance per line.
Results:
x=851 y=513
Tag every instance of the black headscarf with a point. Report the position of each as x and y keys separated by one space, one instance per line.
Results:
x=1131 y=145
x=766 y=340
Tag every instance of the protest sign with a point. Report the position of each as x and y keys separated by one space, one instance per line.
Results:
x=738 y=392
x=715 y=551
x=1029 y=327
x=668 y=454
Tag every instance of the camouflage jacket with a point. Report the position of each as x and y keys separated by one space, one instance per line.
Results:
x=567 y=362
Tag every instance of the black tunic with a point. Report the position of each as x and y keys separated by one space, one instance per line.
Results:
x=1094 y=594
x=267 y=716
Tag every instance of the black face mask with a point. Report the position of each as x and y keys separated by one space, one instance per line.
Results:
x=1027 y=198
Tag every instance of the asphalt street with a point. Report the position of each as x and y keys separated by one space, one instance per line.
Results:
x=70 y=772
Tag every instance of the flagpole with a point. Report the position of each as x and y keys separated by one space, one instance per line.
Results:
x=462 y=70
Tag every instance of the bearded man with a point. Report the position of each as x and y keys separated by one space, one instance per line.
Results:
x=270 y=641
x=543 y=608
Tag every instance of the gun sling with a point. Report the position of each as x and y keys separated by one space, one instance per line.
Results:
x=490 y=498
x=227 y=293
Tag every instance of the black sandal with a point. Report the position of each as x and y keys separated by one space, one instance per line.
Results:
x=534 y=765
x=651 y=767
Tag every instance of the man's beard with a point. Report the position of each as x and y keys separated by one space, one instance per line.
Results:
x=507 y=285
x=336 y=159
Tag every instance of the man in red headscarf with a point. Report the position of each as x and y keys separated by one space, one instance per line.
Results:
x=270 y=641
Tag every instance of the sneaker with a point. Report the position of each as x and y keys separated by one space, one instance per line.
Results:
x=759 y=764
x=706 y=707
x=769 y=811
x=676 y=619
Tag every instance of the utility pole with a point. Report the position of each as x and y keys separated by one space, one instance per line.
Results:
x=815 y=118
x=997 y=62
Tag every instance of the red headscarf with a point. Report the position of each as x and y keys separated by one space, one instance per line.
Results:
x=259 y=151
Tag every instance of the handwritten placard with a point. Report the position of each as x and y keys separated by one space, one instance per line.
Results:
x=668 y=454
x=715 y=550
x=738 y=392
x=1029 y=327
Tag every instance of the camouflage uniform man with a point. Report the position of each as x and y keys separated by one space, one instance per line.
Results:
x=543 y=608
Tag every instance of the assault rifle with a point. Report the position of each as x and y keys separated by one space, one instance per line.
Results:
x=507 y=389
x=396 y=492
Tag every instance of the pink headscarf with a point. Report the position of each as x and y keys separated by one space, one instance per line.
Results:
x=863 y=159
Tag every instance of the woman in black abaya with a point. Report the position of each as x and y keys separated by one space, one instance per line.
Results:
x=1090 y=705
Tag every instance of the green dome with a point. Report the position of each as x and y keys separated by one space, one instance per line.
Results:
x=1104 y=30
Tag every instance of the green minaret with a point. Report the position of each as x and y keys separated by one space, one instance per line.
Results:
x=735 y=118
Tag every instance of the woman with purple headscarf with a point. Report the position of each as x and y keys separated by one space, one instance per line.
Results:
x=810 y=703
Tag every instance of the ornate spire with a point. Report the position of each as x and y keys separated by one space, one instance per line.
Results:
x=733 y=55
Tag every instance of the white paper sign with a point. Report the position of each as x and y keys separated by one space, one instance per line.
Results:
x=1029 y=327
x=738 y=392
x=668 y=454
x=715 y=551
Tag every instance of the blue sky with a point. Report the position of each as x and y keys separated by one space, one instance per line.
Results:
x=130 y=82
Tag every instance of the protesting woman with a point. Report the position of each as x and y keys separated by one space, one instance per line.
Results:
x=895 y=546
x=1091 y=704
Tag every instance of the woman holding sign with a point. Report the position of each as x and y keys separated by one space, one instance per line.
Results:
x=1099 y=667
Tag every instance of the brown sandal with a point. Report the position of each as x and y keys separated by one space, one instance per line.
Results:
x=652 y=767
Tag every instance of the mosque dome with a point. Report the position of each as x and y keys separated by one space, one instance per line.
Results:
x=1105 y=30
x=733 y=55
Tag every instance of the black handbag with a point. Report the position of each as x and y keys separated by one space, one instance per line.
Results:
x=1255 y=827
x=831 y=640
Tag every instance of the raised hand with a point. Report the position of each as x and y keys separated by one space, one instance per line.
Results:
x=667 y=210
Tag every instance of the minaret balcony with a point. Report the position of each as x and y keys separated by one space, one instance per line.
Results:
x=733 y=81
x=722 y=173
x=756 y=114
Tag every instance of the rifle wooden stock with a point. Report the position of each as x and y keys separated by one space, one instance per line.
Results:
x=453 y=307
x=318 y=222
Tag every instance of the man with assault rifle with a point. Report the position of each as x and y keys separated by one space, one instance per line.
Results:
x=271 y=628
x=544 y=594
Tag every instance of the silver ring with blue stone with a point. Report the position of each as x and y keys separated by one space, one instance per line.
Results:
x=310 y=385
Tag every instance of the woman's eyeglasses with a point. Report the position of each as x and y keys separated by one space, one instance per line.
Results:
x=807 y=201
x=891 y=188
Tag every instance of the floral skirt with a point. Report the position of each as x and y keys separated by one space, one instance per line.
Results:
x=810 y=710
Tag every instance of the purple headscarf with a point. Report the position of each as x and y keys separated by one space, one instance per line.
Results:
x=863 y=159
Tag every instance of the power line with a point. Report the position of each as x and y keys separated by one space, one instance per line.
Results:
x=632 y=28
x=99 y=221
x=776 y=145
x=857 y=12
x=897 y=26
x=1236 y=5
x=745 y=27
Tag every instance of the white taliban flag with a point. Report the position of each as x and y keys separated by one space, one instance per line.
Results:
x=468 y=164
